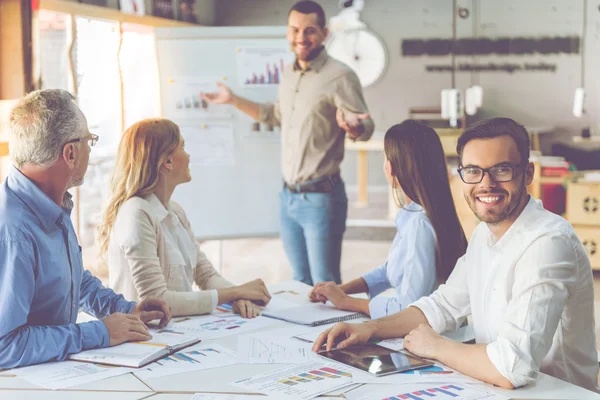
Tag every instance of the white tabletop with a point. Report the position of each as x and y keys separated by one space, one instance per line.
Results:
x=182 y=386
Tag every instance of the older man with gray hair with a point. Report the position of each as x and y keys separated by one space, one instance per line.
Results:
x=42 y=280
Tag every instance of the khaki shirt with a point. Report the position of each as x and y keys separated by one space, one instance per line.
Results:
x=312 y=143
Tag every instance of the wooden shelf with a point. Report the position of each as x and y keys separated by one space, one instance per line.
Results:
x=91 y=11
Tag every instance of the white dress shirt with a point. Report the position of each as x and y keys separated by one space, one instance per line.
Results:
x=531 y=298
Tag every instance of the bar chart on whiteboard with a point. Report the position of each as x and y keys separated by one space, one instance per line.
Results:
x=262 y=66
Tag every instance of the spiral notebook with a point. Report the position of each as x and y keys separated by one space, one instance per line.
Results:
x=313 y=314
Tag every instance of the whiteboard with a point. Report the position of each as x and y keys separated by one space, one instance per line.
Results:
x=236 y=172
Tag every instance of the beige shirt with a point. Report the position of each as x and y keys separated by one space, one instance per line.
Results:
x=311 y=140
x=531 y=297
x=153 y=253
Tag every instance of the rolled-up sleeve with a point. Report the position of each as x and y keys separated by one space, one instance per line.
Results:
x=349 y=97
x=545 y=275
x=377 y=280
x=270 y=113
x=447 y=307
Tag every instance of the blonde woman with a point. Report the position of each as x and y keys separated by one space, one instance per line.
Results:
x=146 y=238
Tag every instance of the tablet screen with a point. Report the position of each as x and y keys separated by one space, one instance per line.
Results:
x=375 y=359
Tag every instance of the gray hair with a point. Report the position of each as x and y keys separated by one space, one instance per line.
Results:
x=41 y=124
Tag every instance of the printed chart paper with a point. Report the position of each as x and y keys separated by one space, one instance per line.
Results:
x=304 y=381
x=181 y=98
x=422 y=392
x=63 y=374
x=194 y=358
x=263 y=349
x=206 y=327
x=262 y=66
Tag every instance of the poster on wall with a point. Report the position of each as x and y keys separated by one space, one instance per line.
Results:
x=262 y=66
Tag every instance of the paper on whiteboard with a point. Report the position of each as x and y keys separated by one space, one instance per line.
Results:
x=63 y=374
x=181 y=98
x=263 y=66
x=209 y=144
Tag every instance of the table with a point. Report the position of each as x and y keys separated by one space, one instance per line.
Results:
x=182 y=386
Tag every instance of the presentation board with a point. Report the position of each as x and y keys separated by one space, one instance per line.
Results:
x=235 y=163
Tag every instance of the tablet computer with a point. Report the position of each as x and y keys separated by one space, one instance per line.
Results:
x=376 y=360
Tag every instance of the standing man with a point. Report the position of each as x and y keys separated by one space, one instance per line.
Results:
x=320 y=101
x=42 y=281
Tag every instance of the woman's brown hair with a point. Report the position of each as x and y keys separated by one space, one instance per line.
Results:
x=419 y=165
x=143 y=149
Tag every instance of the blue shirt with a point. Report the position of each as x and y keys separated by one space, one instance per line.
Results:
x=410 y=267
x=42 y=281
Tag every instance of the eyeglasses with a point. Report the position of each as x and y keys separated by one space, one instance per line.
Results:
x=91 y=139
x=498 y=173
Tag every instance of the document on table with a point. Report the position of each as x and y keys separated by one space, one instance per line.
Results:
x=435 y=373
x=206 y=327
x=263 y=349
x=215 y=396
x=304 y=381
x=423 y=391
x=63 y=374
x=193 y=358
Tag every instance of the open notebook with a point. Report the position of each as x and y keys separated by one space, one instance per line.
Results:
x=313 y=314
x=137 y=354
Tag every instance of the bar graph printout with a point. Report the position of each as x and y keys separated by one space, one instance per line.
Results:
x=262 y=66
x=424 y=391
x=304 y=381
x=197 y=357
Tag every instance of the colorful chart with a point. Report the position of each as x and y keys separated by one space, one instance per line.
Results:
x=429 y=370
x=192 y=357
x=263 y=66
x=439 y=393
x=271 y=75
x=226 y=308
x=315 y=375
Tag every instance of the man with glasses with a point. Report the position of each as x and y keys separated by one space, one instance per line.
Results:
x=42 y=281
x=525 y=279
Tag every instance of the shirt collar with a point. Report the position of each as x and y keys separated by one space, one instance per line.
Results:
x=47 y=212
x=157 y=207
x=316 y=64
x=521 y=221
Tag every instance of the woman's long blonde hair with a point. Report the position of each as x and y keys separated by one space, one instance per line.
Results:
x=143 y=149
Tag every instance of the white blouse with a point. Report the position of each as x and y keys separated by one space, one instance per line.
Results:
x=531 y=298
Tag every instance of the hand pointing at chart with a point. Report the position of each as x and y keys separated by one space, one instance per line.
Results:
x=223 y=96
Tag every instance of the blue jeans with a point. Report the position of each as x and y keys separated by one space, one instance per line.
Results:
x=312 y=228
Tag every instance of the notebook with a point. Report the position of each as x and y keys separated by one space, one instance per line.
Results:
x=313 y=314
x=164 y=342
